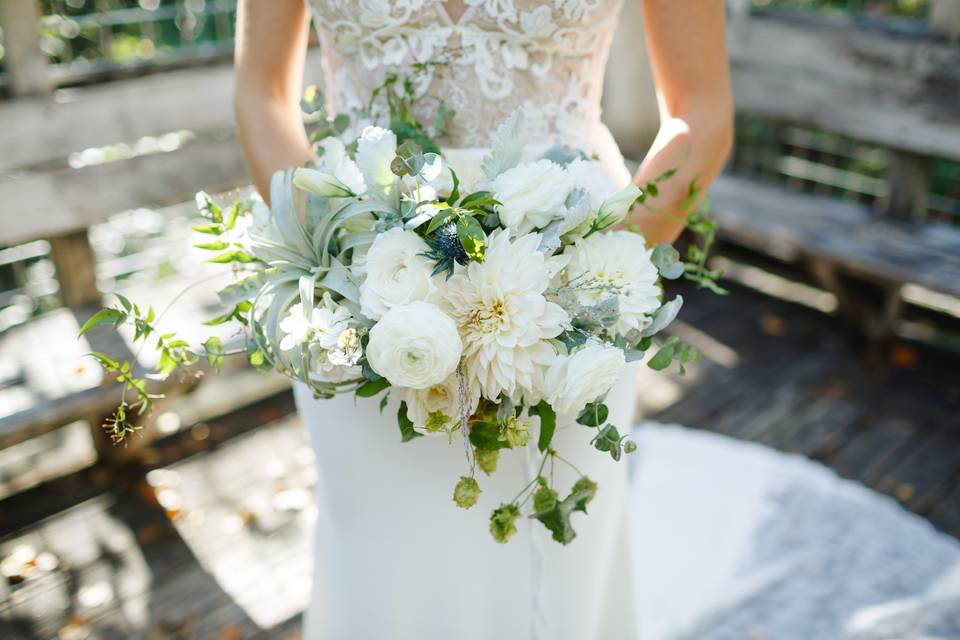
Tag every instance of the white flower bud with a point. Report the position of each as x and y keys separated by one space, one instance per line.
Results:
x=320 y=184
x=614 y=209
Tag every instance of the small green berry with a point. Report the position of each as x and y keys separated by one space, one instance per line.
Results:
x=503 y=522
x=467 y=492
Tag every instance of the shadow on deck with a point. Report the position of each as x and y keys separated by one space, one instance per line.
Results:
x=211 y=539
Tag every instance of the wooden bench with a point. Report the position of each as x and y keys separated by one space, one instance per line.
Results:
x=44 y=380
x=899 y=88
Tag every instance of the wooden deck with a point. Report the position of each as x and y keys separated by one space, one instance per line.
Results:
x=210 y=539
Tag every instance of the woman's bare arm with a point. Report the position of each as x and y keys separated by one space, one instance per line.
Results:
x=687 y=44
x=269 y=56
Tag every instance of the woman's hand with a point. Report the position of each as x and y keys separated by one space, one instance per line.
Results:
x=687 y=44
x=269 y=57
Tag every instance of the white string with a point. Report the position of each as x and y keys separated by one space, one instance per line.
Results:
x=538 y=618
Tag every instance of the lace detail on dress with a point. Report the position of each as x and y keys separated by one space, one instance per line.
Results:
x=547 y=57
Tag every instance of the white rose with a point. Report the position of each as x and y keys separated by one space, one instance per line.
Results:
x=414 y=346
x=396 y=271
x=436 y=409
x=574 y=380
x=375 y=151
x=531 y=195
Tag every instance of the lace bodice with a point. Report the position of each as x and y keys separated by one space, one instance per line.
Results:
x=547 y=56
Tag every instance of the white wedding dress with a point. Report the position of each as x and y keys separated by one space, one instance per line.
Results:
x=395 y=558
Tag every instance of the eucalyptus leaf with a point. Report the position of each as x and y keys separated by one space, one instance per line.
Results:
x=667 y=261
x=664 y=316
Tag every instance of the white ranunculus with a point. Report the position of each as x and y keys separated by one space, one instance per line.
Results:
x=615 y=265
x=337 y=162
x=375 y=151
x=321 y=184
x=396 y=271
x=414 y=346
x=574 y=380
x=615 y=208
x=531 y=195
x=436 y=409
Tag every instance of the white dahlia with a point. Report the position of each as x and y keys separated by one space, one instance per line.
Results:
x=615 y=264
x=504 y=318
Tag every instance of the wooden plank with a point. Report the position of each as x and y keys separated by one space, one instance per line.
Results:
x=76 y=269
x=945 y=19
x=792 y=225
x=38 y=205
x=909 y=180
x=197 y=100
x=25 y=61
x=898 y=90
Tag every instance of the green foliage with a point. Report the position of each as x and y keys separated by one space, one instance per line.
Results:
x=548 y=423
x=593 y=415
x=555 y=515
x=371 y=388
x=407 y=432
x=674 y=349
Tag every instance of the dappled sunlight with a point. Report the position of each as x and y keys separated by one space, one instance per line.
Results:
x=246 y=512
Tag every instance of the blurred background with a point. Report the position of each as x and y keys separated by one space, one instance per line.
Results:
x=839 y=236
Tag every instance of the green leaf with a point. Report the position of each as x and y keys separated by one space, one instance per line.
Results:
x=667 y=261
x=212 y=229
x=664 y=356
x=219 y=245
x=455 y=191
x=486 y=436
x=471 y=237
x=407 y=432
x=584 y=489
x=440 y=219
x=548 y=423
x=478 y=200
x=232 y=214
x=105 y=361
x=593 y=415
x=557 y=518
x=213 y=347
x=371 y=388
x=104 y=316
x=124 y=302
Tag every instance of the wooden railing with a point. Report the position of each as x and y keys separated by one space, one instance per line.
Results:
x=892 y=87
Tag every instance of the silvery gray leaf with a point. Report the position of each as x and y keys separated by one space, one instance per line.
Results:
x=562 y=154
x=505 y=410
x=241 y=290
x=667 y=261
x=550 y=237
x=507 y=146
x=663 y=317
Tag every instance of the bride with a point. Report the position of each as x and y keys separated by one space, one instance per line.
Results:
x=394 y=559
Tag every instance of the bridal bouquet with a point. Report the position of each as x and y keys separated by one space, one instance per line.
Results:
x=487 y=291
